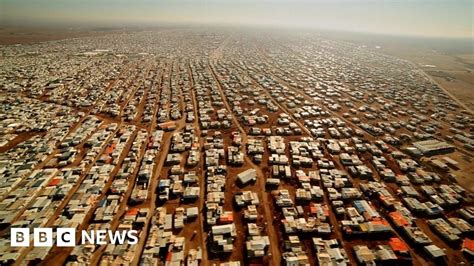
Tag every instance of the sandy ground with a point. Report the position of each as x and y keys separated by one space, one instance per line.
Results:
x=13 y=36
x=449 y=62
x=453 y=72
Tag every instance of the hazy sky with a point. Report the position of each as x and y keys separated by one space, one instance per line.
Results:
x=437 y=18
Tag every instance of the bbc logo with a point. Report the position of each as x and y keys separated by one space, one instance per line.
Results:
x=43 y=237
x=66 y=237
